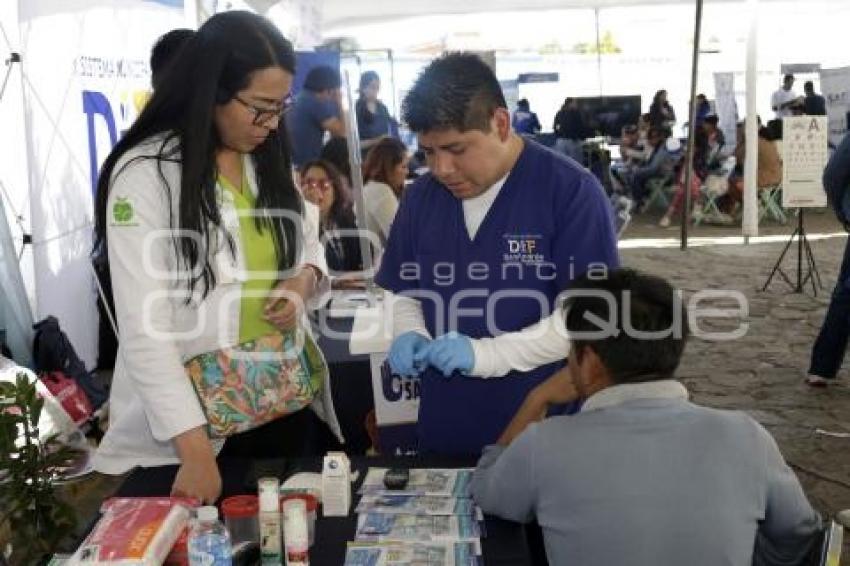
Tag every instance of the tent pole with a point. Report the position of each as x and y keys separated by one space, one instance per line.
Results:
x=598 y=52
x=392 y=81
x=192 y=13
x=692 y=131
x=749 y=225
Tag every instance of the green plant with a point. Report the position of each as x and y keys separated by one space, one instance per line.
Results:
x=29 y=467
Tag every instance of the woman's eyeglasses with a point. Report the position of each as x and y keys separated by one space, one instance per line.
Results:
x=323 y=185
x=263 y=116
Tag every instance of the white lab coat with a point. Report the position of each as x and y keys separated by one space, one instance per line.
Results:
x=152 y=399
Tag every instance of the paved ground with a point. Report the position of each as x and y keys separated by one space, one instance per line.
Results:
x=761 y=372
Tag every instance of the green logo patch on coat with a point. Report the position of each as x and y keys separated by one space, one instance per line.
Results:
x=122 y=212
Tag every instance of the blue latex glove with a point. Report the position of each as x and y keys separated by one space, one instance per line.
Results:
x=403 y=351
x=449 y=353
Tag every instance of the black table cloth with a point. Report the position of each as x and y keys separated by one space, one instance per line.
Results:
x=505 y=544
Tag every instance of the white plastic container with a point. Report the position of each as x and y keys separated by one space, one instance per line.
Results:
x=271 y=547
x=295 y=532
x=336 y=485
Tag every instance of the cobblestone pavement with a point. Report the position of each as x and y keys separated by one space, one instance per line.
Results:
x=762 y=372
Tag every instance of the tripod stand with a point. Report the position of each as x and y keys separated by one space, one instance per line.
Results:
x=803 y=248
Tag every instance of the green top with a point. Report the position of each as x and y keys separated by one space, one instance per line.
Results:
x=260 y=256
x=261 y=266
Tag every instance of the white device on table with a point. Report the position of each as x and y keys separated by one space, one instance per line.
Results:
x=336 y=485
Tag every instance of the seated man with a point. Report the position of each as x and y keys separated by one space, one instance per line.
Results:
x=660 y=164
x=632 y=156
x=641 y=475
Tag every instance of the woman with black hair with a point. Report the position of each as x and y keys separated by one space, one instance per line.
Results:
x=570 y=130
x=212 y=253
x=323 y=186
x=661 y=114
x=373 y=118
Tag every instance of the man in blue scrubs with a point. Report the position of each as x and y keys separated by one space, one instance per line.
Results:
x=481 y=246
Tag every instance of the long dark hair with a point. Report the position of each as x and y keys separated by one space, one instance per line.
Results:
x=360 y=107
x=215 y=64
x=342 y=209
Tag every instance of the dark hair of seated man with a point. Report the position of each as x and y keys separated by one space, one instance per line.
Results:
x=653 y=309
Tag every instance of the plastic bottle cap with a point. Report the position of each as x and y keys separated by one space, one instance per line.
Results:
x=208 y=513
x=269 y=493
x=311 y=502
x=294 y=505
x=240 y=506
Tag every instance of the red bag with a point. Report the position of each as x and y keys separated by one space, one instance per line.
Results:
x=72 y=398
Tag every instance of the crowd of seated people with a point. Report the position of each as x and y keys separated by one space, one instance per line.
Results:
x=651 y=158
x=708 y=160
x=768 y=173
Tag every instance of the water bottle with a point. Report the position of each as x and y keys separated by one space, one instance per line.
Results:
x=209 y=543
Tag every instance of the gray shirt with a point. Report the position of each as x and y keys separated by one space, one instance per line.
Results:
x=641 y=476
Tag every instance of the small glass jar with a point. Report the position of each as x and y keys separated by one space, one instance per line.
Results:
x=240 y=517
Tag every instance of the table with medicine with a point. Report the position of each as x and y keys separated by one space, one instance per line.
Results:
x=340 y=504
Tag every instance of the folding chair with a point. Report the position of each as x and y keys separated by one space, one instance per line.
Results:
x=659 y=188
x=823 y=549
x=833 y=539
x=770 y=204
x=709 y=208
x=715 y=186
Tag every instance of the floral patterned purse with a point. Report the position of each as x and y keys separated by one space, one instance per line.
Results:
x=255 y=382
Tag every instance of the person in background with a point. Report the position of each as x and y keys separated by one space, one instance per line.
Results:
x=570 y=130
x=632 y=151
x=317 y=109
x=708 y=159
x=784 y=98
x=769 y=170
x=373 y=118
x=703 y=110
x=188 y=191
x=336 y=153
x=164 y=51
x=660 y=164
x=323 y=185
x=498 y=214
x=813 y=103
x=641 y=475
x=661 y=114
x=831 y=343
x=384 y=173
x=525 y=121
x=632 y=155
x=643 y=126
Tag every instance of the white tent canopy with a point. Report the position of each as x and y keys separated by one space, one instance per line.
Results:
x=348 y=12
x=82 y=80
x=336 y=12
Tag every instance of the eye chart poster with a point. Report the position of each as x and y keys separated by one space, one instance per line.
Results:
x=803 y=160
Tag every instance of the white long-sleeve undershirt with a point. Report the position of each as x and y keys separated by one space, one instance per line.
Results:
x=541 y=343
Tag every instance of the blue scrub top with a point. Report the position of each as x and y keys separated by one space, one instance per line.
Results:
x=548 y=224
x=380 y=124
x=304 y=124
